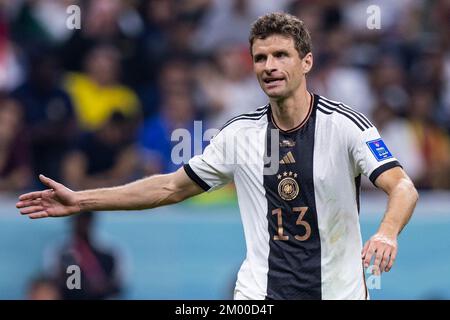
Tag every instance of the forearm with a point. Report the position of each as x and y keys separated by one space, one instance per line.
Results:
x=402 y=201
x=145 y=193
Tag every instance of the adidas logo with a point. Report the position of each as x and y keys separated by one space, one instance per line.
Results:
x=288 y=158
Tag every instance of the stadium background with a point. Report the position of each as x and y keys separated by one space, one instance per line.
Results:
x=96 y=107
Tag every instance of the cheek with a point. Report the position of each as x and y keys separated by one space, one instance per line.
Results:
x=294 y=77
x=291 y=70
x=258 y=75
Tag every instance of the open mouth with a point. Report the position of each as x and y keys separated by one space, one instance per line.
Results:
x=273 y=81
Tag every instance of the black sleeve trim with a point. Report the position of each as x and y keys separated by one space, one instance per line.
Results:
x=376 y=173
x=202 y=184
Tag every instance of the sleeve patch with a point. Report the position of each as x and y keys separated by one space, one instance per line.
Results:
x=379 y=149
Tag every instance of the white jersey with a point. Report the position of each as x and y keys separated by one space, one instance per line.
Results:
x=300 y=212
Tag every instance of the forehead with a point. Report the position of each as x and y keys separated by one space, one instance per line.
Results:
x=273 y=43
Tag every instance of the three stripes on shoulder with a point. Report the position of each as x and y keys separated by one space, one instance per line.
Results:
x=329 y=106
x=256 y=115
x=324 y=105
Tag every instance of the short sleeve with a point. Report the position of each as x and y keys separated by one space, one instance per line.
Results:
x=370 y=154
x=212 y=169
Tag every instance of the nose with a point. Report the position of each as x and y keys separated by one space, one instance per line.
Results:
x=270 y=65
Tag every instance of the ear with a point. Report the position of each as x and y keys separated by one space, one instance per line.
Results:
x=307 y=62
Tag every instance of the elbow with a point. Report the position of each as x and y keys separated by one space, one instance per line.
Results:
x=175 y=194
x=415 y=194
x=177 y=197
x=411 y=190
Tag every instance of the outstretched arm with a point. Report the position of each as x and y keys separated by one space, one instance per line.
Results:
x=402 y=200
x=151 y=192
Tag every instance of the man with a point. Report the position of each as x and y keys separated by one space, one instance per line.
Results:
x=99 y=265
x=300 y=215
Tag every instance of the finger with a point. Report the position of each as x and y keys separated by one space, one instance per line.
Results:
x=378 y=256
x=23 y=204
x=31 y=209
x=364 y=250
x=49 y=182
x=31 y=195
x=392 y=259
x=39 y=215
x=385 y=259
x=368 y=255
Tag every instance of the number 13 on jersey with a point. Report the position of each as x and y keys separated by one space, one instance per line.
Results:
x=300 y=222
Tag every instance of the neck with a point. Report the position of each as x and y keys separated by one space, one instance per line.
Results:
x=290 y=112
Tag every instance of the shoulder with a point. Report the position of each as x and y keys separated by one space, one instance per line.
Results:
x=247 y=120
x=342 y=114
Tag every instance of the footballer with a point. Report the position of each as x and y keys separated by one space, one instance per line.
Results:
x=300 y=212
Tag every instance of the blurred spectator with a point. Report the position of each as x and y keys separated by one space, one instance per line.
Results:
x=225 y=21
x=433 y=141
x=399 y=136
x=99 y=267
x=230 y=88
x=344 y=83
x=105 y=21
x=174 y=77
x=388 y=82
x=165 y=49
x=14 y=147
x=42 y=22
x=97 y=93
x=168 y=31
x=105 y=157
x=43 y=288
x=338 y=77
x=49 y=114
x=154 y=42
x=428 y=71
x=429 y=68
x=155 y=134
x=11 y=69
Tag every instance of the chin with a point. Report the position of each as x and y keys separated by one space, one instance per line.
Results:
x=276 y=94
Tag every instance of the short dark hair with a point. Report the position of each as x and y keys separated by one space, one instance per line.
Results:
x=283 y=24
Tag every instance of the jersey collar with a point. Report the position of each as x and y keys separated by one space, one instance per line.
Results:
x=304 y=121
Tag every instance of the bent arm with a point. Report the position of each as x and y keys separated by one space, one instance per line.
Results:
x=146 y=193
x=403 y=197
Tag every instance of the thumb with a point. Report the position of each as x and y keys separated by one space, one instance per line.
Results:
x=48 y=182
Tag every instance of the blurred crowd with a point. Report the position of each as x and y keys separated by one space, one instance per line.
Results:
x=96 y=106
x=80 y=267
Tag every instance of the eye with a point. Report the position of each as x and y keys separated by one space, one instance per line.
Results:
x=280 y=54
x=259 y=58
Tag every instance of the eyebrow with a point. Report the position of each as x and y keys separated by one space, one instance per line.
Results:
x=259 y=55
x=281 y=51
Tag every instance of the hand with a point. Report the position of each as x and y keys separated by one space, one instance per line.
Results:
x=384 y=248
x=58 y=201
